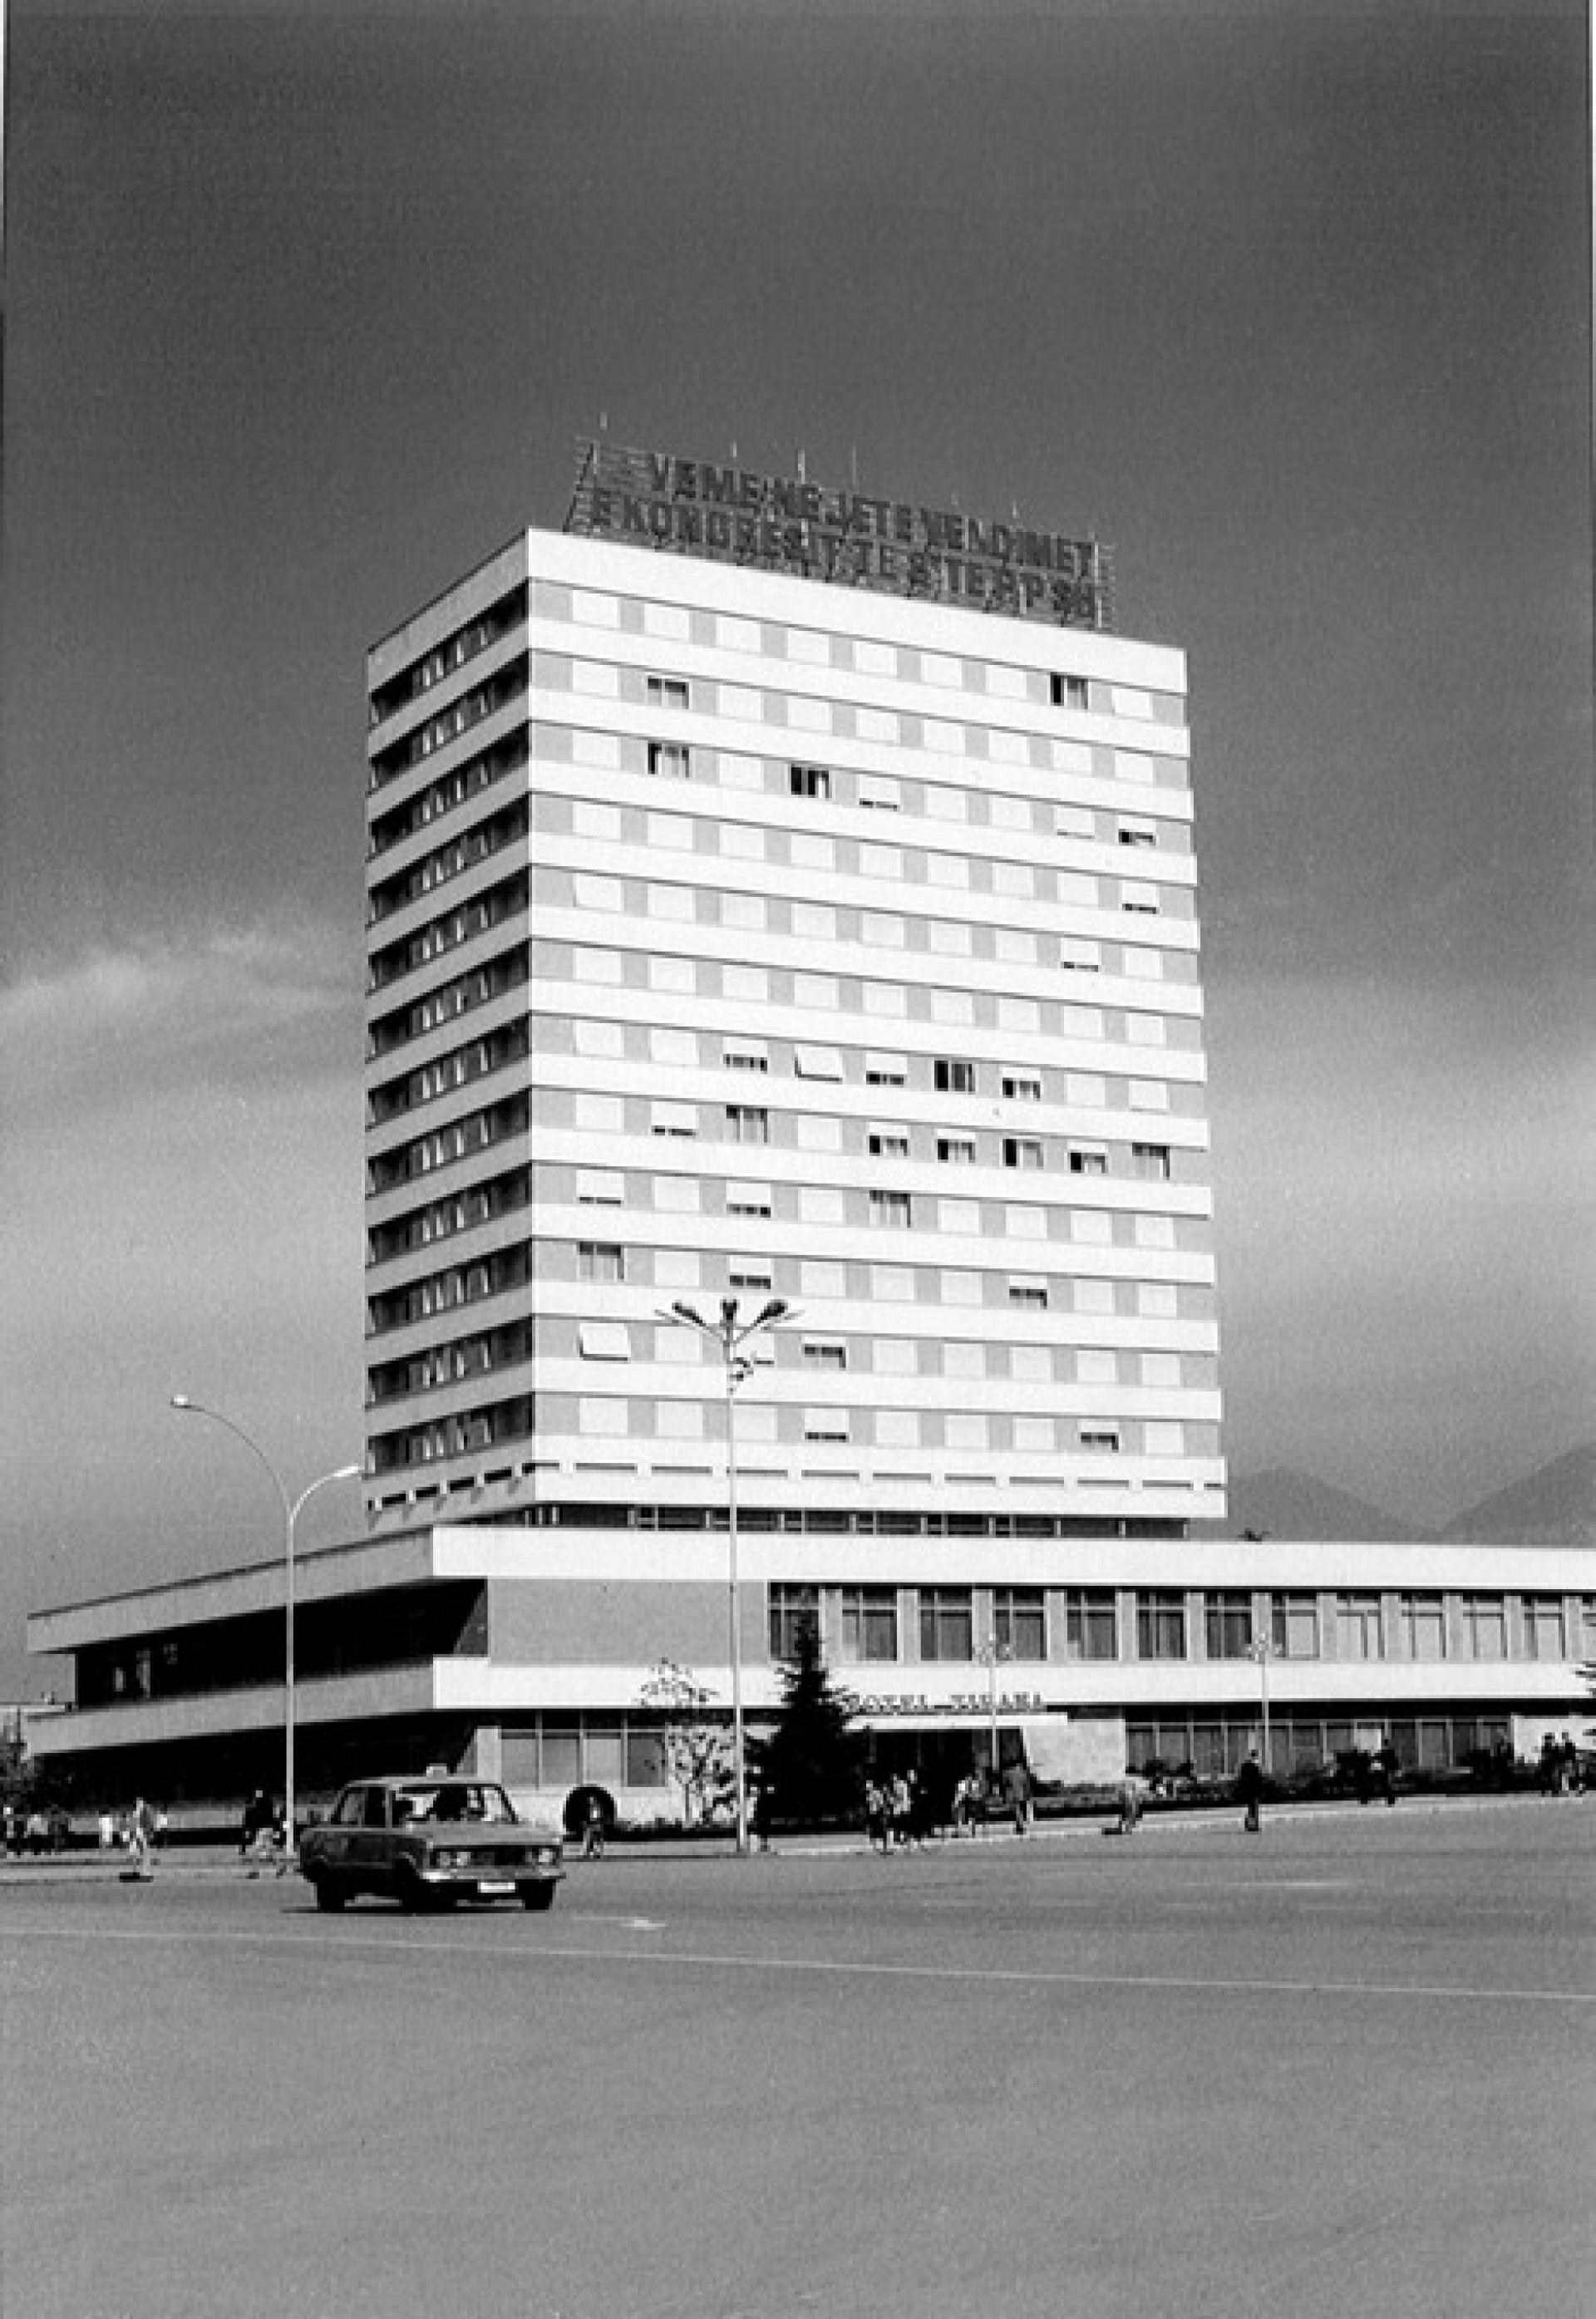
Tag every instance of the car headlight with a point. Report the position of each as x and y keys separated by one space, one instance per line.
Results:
x=447 y=1858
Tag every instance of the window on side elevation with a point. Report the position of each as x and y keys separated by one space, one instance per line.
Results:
x=600 y=1260
x=1150 y=1160
x=747 y=1122
x=890 y=1211
x=794 y=1611
x=604 y=1340
x=1017 y=1615
x=1022 y=1151
x=809 y=780
x=667 y=692
x=817 y=1062
x=825 y=1353
x=668 y=760
x=1028 y=1290
x=956 y=1150
x=876 y=790
x=947 y=1623
x=1022 y=1086
x=1068 y=691
x=1293 y=1625
x=887 y=1142
x=869 y=1622
x=1227 y=1618
x=1160 y=1626
x=950 y=1074
x=881 y=1070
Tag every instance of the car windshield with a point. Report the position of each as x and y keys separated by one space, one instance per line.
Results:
x=454 y=1801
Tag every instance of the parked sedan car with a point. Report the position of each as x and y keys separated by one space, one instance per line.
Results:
x=430 y=1842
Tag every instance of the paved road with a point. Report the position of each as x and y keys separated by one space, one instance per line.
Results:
x=1346 y=2068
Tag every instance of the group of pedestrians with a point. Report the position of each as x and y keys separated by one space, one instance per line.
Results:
x=901 y=1813
x=1559 y=1766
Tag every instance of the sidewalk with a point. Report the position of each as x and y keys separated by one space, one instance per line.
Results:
x=185 y=1862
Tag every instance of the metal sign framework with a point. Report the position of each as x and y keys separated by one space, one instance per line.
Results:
x=730 y=514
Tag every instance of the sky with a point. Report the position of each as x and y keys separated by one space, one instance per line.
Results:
x=308 y=309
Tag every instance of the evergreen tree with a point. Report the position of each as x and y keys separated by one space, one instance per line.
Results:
x=810 y=1764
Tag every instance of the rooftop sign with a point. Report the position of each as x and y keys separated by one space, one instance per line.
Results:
x=786 y=524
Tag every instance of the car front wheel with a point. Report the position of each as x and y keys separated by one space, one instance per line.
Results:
x=537 y=1896
x=329 y=1894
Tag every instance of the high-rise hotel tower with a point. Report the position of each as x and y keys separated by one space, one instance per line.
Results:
x=780 y=894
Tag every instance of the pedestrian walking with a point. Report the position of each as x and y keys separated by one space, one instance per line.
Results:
x=1385 y=1765
x=877 y=1816
x=1130 y=1803
x=1250 y=1794
x=1019 y=1789
x=593 y=1830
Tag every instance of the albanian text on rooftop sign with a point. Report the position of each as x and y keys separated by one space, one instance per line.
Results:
x=777 y=523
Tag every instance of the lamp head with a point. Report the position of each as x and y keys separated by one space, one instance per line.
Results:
x=181 y=1401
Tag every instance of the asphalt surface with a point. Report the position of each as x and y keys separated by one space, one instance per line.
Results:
x=1345 y=2068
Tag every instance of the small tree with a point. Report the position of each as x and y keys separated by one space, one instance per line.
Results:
x=811 y=1761
x=698 y=1753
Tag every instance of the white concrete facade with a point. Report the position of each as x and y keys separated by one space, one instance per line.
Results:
x=739 y=934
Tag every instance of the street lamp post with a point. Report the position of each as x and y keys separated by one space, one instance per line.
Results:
x=992 y=1656
x=729 y=1333
x=1261 y=1649
x=291 y=1508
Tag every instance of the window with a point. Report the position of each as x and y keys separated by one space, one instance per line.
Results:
x=947 y=1623
x=1357 y=1627
x=1138 y=833
x=1151 y=1161
x=600 y=1260
x=1023 y=1086
x=745 y=1055
x=887 y=1142
x=1100 y=1440
x=890 y=1211
x=674 y=1119
x=1228 y=1625
x=751 y=1272
x=825 y=1425
x=1421 y=1627
x=1022 y=1151
x=875 y=790
x=1088 y=1159
x=668 y=760
x=869 y=1622
x=667 y=692
x=1293 y=1625
x=1545 y=1635
x=825 y=1353
x=1019 y=1622
x=956 y=1150
x=1484 y=1625
x=604 y=1340
x=747 y=1122
x=1025 y=1290
x=884 y=1071
x=1136 y=896
x=749 y=1200
x=1091 y=1623
x=951 y=1076
x=1160 y=1625
x=1068 y=691
x=602 y=1187
x=809 y=780
x=818 y=1062
x=794 y=1611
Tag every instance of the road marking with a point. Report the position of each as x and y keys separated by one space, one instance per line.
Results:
x=631 y=1924
x=339 y=1941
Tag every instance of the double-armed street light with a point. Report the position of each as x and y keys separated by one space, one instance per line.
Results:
x=292 y=1507
x=1261 y=1649
x=730 y=1333
x=993 y=1655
